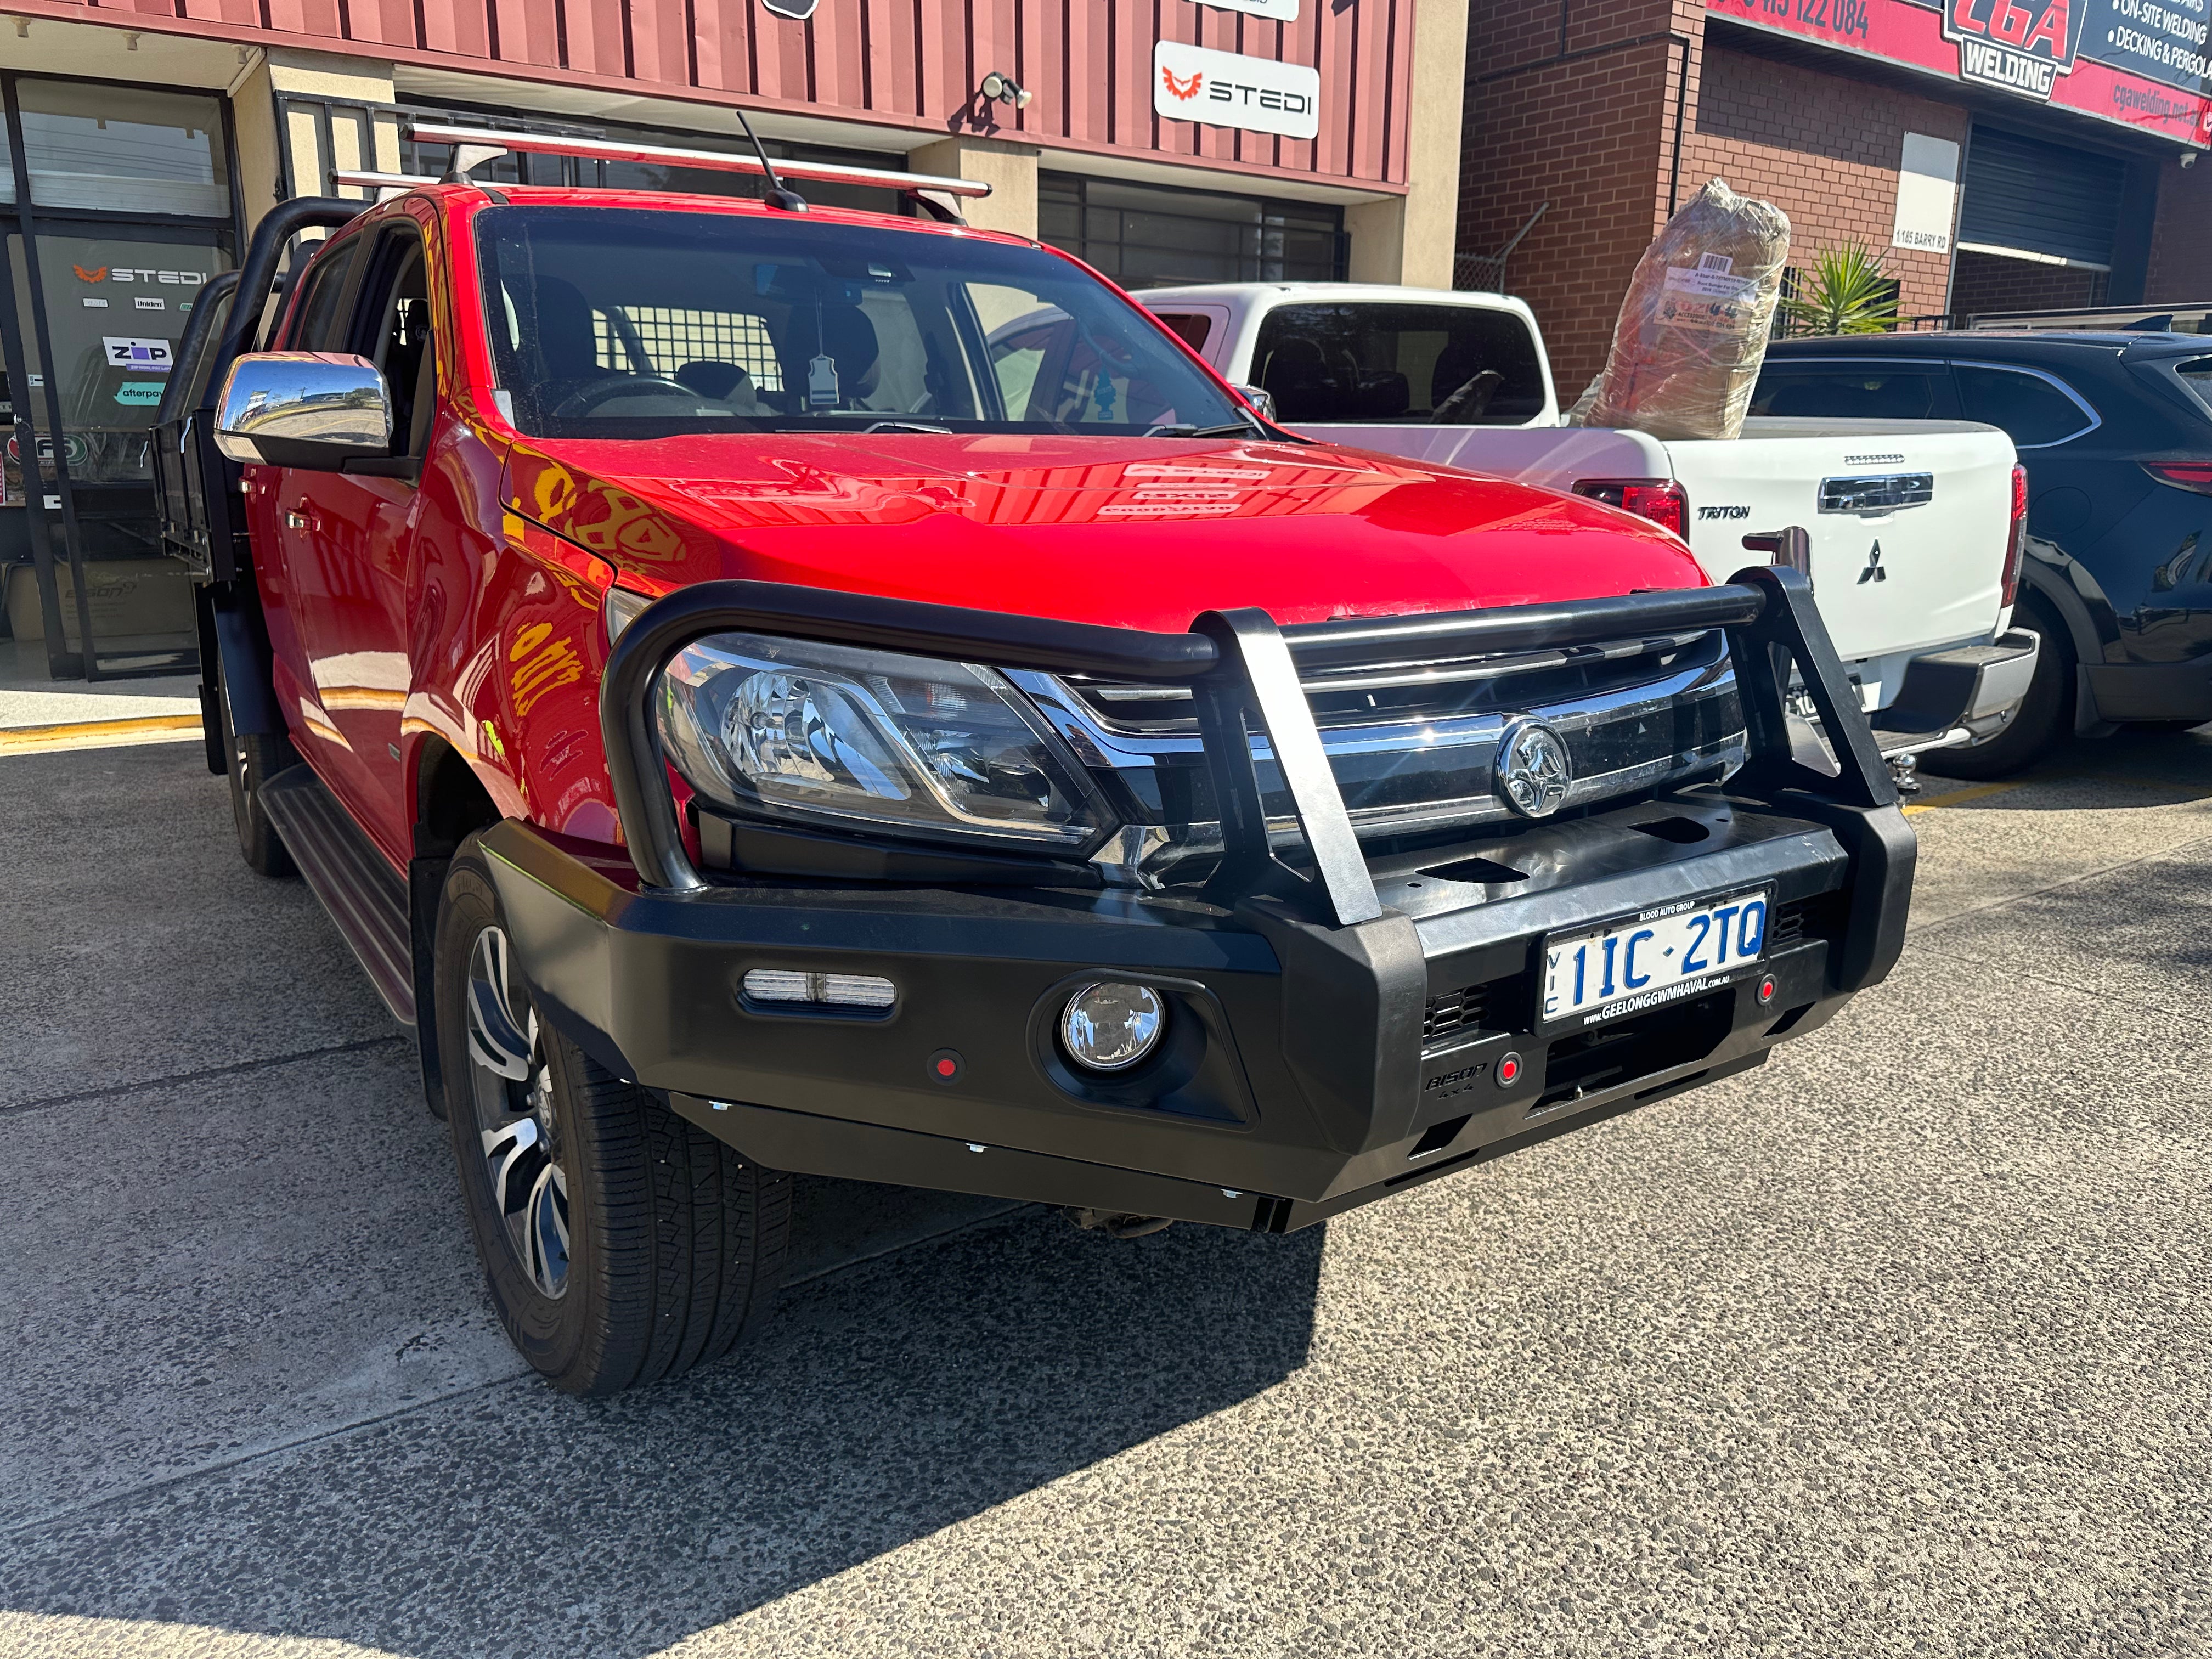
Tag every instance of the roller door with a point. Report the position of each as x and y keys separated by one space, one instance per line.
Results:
x=2024 y=196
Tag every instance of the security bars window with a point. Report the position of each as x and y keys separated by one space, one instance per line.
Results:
x=668 y=338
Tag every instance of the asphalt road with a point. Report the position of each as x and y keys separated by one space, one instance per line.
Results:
x=1898 y=1345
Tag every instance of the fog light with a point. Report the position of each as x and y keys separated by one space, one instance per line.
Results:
x=1109 y=1027
x=834 y=990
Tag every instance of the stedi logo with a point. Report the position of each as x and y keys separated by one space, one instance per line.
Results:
x=1229 y=89
x=126 y=274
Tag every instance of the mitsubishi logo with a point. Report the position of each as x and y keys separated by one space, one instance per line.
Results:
x=1873 y=572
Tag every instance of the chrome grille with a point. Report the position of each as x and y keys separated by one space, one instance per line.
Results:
x=1432 y=688
x=1412 y=742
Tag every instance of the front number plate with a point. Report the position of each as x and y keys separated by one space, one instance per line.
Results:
x=1658 y=956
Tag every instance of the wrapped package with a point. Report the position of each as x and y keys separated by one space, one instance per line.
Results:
x=1693 y=331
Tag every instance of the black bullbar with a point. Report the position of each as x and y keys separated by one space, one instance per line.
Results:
x=1333 y=1035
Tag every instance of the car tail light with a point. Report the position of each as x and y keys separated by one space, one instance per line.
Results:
x=1660 y=500
x=2016 y=543
x=2196 y=475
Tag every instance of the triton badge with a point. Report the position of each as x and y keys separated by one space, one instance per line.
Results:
x=1533 y=769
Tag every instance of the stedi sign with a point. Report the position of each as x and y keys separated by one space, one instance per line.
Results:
x=1223 y=89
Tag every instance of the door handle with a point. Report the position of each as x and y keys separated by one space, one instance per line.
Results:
x=295 y=520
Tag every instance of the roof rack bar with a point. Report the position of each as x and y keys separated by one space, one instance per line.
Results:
x=386 y=185
x=600 y=149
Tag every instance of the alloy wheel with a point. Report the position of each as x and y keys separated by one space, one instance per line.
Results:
x=511 y=1083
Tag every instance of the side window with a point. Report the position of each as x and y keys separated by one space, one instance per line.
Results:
x=2031 y=409
x=321 y=325
x=1192 y=328
x=1017 y=355
x=1857 y=391
x=201 y=366
x=2197 y=375
x=395 y=334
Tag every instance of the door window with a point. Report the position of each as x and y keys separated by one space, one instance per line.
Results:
x=320 y=319
x=2036 y=410
x=401 y=343
x=1429 y=364
x=1855 y=391
x=2197 y=375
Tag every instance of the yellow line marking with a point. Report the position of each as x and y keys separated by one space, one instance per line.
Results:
x=2200 y=785
x=1980 y=791
x=100 y=734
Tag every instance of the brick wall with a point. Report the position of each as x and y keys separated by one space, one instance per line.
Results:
x=1571 y=105
x=1824 y=148
x=1986 y=282
x=2181 y=236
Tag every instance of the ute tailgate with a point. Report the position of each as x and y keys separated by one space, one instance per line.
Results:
x=1892 y=581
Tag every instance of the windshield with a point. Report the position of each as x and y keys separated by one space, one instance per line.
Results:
x=641 y=323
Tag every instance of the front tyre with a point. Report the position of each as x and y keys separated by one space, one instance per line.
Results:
x=621 y=1244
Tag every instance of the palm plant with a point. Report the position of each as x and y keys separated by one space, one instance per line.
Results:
x=1848 y=291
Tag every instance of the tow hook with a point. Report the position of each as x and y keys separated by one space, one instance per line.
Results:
x=1115 y=1225
x=1905 y=772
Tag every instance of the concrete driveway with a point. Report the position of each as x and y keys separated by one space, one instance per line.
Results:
x=1898 y=1345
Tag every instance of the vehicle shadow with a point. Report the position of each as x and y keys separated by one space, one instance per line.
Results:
x=883 y=1404
x=2129 y=768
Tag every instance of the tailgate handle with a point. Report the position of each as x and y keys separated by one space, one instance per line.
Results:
x=1877 y=493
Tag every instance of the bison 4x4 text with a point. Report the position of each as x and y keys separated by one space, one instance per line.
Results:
x=770 y=689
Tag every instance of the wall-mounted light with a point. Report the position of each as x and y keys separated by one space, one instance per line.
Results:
x=999 y=88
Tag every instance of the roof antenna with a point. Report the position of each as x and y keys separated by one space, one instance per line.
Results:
x=790 y=201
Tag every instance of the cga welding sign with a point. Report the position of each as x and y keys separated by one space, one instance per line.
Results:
x=2020 y=49
x=1225 y=89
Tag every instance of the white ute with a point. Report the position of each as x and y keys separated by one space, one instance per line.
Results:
x=1914 y=525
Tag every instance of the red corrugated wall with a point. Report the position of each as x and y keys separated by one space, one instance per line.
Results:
x=907 y=62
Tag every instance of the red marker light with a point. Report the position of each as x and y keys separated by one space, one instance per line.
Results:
x=945 y=1066
x=1767 y=989
x=1508 y=1069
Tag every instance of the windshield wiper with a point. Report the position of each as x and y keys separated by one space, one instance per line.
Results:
x=1184 y=429
x=905 y=426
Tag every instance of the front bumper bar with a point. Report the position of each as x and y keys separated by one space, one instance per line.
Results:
x=1335 y=1034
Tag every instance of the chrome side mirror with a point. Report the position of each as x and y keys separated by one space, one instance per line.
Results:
x=1261 y=399
x=316 y=409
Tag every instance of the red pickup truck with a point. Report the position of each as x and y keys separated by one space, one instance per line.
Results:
x=766 y=689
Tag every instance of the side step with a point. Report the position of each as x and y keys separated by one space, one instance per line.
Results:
x=365 y=895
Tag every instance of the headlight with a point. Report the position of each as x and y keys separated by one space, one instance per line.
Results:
x=869 y=738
